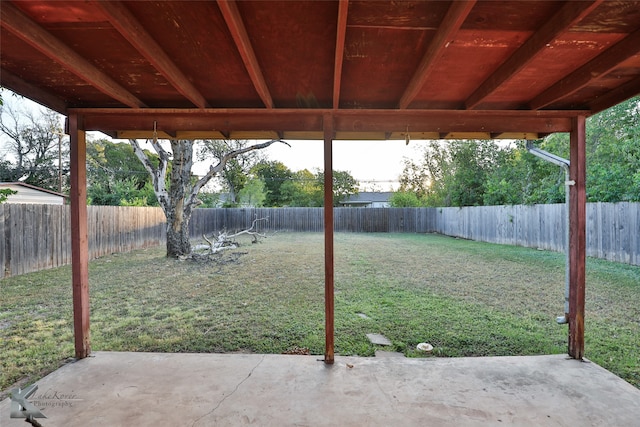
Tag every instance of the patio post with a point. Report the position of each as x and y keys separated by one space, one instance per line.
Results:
x=79 y=236
x=328 y=237
x=577 y=236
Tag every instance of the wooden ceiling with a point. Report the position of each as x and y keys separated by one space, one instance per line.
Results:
x=280 y=69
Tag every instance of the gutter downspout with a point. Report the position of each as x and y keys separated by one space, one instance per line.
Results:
x=563 y=163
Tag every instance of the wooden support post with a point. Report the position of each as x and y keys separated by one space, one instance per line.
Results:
x=328 y=238
x=577 y=237
x=79 y=237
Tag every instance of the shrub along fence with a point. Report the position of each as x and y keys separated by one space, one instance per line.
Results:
x=39 y=236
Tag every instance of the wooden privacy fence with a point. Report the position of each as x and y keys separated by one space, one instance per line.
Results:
x=361 y=220
x=613 y=229
x=38 y=236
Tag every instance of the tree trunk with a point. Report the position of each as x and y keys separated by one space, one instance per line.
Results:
x=179 y=200
x=179 y=213
x=178 y=236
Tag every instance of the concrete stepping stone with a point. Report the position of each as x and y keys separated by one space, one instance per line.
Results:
x=378 y=339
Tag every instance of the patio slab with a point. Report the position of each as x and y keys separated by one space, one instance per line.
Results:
x=153 y=389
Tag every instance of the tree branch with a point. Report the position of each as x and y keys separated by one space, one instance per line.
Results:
x=159 y=174
x=225 y=241
x=215 y=170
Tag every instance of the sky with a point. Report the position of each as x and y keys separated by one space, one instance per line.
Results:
x=377 y=165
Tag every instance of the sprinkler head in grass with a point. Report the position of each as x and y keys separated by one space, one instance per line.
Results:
x=426 y=347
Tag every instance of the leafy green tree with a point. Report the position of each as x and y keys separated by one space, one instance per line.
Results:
x=429 y=178
x=451 y=173
x=274 y=174
x=235 y=174
x=253 y=193
x=116 y=177
x=121 y=193
x=613 y=153
x=405 y=199
x=9 y=172
x=504 y=185
x=302 y=190
x=613 y=159
x=208 y=199
x=5 y=193
x=546 y=181
x=519 y=177
x=472 y=162
x=344 y=185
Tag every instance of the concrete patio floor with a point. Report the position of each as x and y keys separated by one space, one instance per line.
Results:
x=153 y=389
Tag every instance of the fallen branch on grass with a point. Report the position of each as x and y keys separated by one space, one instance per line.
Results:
x=226 y=241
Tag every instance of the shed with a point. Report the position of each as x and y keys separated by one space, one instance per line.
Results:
x=27 y=193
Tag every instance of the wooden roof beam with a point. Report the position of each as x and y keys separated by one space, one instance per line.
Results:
x=343 y=9
x=451 y=23
x=129 y=27
x=310 y=120
x=238 y=31
x=569 y=14
x=616 y=96
x=29 y=31
x=18 y=85
x=594 y=69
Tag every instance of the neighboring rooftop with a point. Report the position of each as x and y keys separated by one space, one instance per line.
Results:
x=373 y=199
x=27 y=193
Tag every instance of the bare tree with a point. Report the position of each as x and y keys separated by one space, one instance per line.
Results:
x=36 y=147
x=181 y=196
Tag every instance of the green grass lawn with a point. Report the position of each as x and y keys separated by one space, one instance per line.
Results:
x=465 y=298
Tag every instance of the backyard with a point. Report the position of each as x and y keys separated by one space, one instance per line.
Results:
x=465 y=298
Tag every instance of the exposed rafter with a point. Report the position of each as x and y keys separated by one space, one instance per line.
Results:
x=18 y=85
x=450 y=25
x=341 y=33
x=583 y=76
x=36 y=36
x=238 y=31
x=569 y=14
x=616 y=95
x=129 y=27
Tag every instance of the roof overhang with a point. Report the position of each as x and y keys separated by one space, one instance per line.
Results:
x=308 y=124
x=278 y=69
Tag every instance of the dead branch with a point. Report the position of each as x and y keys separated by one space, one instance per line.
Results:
x=225 y=241
x=252 y=231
